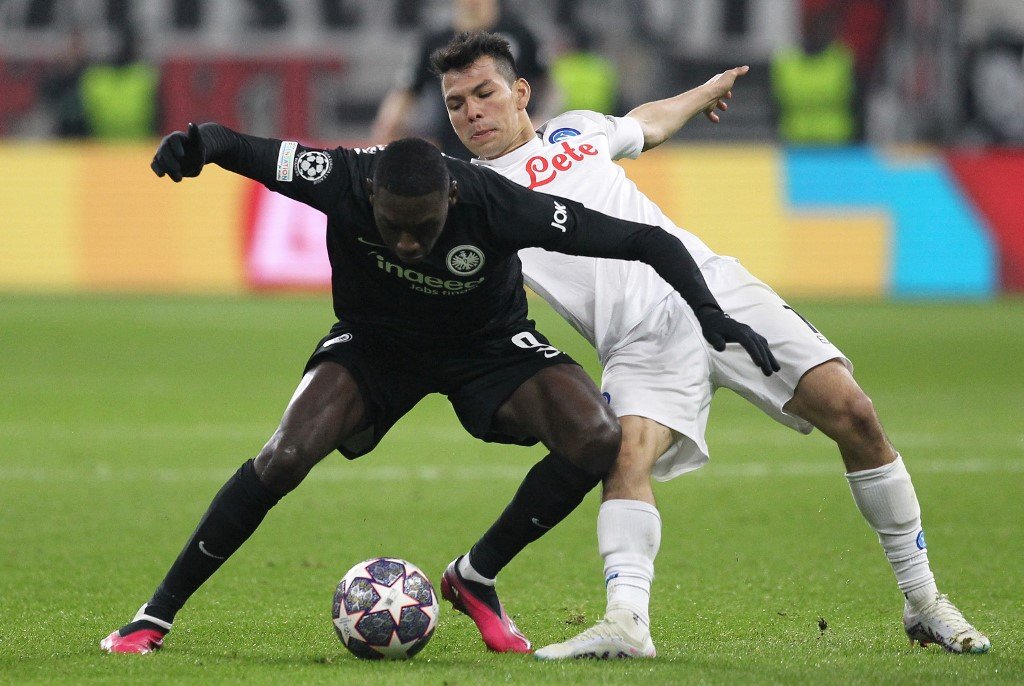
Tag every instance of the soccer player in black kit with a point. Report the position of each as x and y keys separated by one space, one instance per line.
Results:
x=429 y=298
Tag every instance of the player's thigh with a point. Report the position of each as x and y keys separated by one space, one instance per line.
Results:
x=378 y=383
x=325 y=409
x=796 y=343
x=561 y=406
x=327 y=406
x=518 y=388
x=830 y=398
x=661 y=372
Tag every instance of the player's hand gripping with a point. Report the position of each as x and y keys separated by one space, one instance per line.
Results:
x=719 y=328
x=719 y=89
x=180 y=154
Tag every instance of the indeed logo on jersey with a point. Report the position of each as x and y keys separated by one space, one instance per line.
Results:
x=424 y=283
x=543 y=170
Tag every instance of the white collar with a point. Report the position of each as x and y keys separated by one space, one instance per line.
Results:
x=520 y=154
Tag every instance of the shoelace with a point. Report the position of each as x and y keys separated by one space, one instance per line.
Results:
x=603 y=629
x=944 y=610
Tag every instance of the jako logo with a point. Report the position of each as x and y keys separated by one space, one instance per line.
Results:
x=562 y=134
x=921 y=545
x=560 y=217
x=528 y=341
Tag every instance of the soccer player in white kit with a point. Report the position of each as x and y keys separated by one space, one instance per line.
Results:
x=659 y=372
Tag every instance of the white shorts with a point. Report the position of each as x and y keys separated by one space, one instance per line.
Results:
x=665 y=370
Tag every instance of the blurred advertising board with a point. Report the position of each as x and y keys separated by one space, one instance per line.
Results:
x=855 y=222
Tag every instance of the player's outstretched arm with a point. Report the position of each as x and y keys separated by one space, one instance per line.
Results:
x=674 y=263
x=660 y=119
x=272 y=162
x=526 y=219
x=183 y=154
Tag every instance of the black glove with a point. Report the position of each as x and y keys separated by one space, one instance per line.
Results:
x=719 y=328
x=180 y=154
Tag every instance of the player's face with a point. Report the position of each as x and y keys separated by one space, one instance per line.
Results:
x=410 y=226
x=488 y=114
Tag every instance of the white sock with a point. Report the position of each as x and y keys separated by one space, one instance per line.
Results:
x=628 y=538
x=886 y=498
x=470 y=574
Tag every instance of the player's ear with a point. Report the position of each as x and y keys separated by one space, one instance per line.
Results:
x=453 y=193
x=521 y=89
x=368 y=187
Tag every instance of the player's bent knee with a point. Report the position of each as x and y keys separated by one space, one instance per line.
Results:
x=859 y=413
x=598 y=445
x=852 y=415
x=282 y=465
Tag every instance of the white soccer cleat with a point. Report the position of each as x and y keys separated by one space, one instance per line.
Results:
x=941 y=622
x=619 y=635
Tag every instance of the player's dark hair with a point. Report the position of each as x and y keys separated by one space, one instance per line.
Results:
x=469 y=46
x=411 y=167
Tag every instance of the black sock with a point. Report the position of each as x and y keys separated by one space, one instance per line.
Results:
x=551 y=490
x=236 y=511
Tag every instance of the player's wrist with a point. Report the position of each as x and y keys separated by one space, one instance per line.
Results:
x=708 y=310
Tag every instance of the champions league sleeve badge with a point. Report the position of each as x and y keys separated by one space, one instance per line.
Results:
x=313 y=165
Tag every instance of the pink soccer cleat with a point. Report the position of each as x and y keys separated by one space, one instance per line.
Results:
x=142 y=635
x=481 y=604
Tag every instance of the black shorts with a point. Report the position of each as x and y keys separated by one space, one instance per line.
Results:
x=394 y=372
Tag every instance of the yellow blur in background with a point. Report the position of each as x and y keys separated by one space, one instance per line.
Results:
x=94 y=217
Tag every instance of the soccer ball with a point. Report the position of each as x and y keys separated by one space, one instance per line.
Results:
x=384 y=608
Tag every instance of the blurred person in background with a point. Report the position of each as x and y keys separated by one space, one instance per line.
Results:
x=658 y=376
x=119 y=96
x=61 y=94
x=994 y=33
x=814 y=85
x=396 y=109
x=581 y=77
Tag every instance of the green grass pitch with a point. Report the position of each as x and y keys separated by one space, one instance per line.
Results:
x=121 y=417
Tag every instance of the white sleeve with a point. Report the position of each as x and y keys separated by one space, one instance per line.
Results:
x=625 y=136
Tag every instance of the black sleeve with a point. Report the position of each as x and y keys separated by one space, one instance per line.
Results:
x=419 y=73
x=318 y=178
x=530 y=61
x=521 y=218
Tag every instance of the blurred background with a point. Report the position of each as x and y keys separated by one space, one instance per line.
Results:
x=874 y=149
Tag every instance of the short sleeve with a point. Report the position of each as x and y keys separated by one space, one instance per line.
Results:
x=626 y=137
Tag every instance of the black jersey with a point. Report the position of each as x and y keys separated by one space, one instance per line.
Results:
x=471 y=284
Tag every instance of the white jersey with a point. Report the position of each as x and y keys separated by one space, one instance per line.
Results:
x=573 y=156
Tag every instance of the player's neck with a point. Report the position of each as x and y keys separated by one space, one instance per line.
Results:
x=525 y=135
